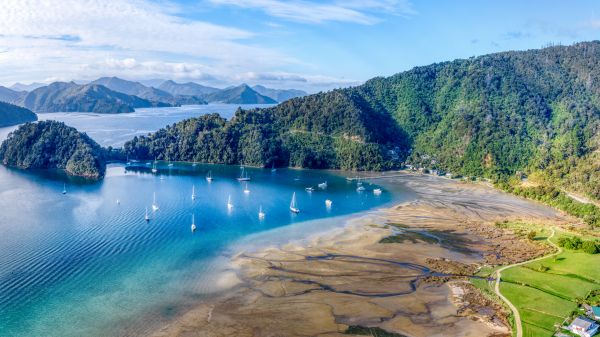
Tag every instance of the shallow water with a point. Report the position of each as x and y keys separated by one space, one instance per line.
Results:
x=83 y=264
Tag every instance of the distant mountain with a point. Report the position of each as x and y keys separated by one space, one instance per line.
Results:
x=241 y=94
x=187 y=89
x=13 y=115
x=153 y=82
x=149 y=93
x=279 y=95
x=9 y=95
x=26 y=87
x=71 y=97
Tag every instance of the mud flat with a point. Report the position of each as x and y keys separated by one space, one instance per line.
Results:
x=400 y=269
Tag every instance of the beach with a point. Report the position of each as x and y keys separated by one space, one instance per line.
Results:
x=403 y=269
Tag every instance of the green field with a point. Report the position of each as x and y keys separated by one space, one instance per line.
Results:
x=547 y=291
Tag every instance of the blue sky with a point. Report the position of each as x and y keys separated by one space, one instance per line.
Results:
x=311 y=45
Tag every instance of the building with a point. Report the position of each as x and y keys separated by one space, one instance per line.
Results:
x=583 y=327
x=596 y=312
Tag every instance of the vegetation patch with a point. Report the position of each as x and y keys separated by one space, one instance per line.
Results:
x=548 y=291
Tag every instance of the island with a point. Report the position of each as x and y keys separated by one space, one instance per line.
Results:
x=13 y=115
x=53 y=145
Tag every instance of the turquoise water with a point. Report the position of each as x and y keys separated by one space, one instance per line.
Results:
x=83 y=264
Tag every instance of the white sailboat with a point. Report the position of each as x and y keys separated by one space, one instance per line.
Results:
x=170 y=164
x=209 y=177
x=193 y=224
x=147 y=217
x=243 y=175
x=377 y=191
x=322 y=185
x=293 y=207
x=246 y=190
x=64 y=191
x=154 y=170
x=154 y=204
x=193 y=192
x=229 y=204
x=194 y=164
x=261 y=214
x=359 y=186
x=328 y=203
x=273 y=169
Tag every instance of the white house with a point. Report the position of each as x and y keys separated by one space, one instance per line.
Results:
x=584 y=327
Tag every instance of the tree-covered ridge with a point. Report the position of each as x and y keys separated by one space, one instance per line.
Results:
x=51 y=144
x=532 y=111
x=13 y=115
x=310 y=132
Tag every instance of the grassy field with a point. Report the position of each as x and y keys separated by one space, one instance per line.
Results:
x=547 y=291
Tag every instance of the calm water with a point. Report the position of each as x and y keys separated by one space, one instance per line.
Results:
x=83 y=264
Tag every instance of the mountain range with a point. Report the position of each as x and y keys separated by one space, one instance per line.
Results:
x=72 y=97
x=116 y=95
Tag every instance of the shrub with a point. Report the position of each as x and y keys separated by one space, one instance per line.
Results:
x=590 y=247
x=531 y=236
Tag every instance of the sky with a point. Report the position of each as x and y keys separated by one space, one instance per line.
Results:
x=303 y=44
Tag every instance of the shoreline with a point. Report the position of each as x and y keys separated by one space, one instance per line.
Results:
x=330 y=281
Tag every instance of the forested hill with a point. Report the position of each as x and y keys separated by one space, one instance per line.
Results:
x=53 y=145
x=534 y=111
x=328 y=130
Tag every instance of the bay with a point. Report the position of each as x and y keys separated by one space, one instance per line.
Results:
x=86 y=263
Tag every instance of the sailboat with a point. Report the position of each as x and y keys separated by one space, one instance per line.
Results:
x=193 y=224
x=154 y=204
x=377 y=191
x=310 y=189
x=328 y=203
x=154 y=170
x=209 y=177
x=243 y=176
x=229 y=204
x=193 y=192
x=261 y=214
x=323 y=185
x=359 y=185
x=147 y=217
x=273 y=169
x=246 y=190
x=170 y=164
x=194 y=164
x=293 y=206
x=64 y=189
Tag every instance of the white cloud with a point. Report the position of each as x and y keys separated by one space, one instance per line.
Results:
x=42 y=40
x=365 y=12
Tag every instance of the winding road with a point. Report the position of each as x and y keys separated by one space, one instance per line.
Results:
x=516 y=315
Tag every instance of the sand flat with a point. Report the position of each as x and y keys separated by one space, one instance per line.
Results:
x=336 y=278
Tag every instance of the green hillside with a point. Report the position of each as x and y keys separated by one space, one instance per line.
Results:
x=53 y=145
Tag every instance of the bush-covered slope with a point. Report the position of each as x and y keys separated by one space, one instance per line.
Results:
x=51 y=144
x=330 y=130
x=13 y=115
x=535 y=111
